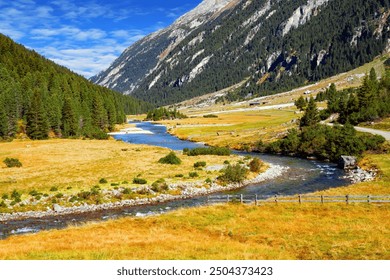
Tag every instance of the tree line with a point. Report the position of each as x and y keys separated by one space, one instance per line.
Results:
x=369 y=102
x=42 y=99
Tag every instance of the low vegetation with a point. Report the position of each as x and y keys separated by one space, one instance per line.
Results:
x=225 y=232
x=171 y=158
x=12 y=162
x=73 y=172
x=219 y=151
x=164 y=114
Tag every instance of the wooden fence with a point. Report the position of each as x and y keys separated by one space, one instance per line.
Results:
x=257 y=199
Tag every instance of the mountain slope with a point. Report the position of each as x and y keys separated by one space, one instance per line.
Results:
x=277 y=44
x=39 y=98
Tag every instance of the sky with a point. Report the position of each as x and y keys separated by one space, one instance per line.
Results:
x=86 y=36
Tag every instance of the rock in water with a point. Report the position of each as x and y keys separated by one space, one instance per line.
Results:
x=347 y=162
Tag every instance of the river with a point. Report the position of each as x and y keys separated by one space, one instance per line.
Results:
x=303 y=176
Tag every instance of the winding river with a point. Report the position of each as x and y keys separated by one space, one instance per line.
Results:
x=303 y=176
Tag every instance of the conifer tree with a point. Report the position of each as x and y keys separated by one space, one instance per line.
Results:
x=69 y=119
x=37 y=124
x=311 y=116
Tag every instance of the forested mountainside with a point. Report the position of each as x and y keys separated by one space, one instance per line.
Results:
x=40 y=98
x=276 y=45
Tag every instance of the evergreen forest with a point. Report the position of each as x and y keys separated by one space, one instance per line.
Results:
x=41 y=99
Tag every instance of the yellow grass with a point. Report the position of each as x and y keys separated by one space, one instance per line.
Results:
x=221 y=232
x=81 y=163
x=269 y=231
x=234 y=129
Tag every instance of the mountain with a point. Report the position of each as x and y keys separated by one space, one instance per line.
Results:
x=272 y=45
x=40 y=98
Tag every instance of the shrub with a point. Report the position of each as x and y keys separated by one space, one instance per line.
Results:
x=218 y=151
x=53 y=189
x=59 y=195
x=210 y=116
x=226 y=162
x=125 y=182
x=33 y=193
x=4 y=196
x=15 y=195
x=179 y=175
x=84 y=195
x=171 y=158
x=103 y=181
x=127 y=191
x=193 y=174
x=159 y=185
x=208 y=181
x=114 y=184
x=199 y=164
x=95 y=190
x=255 y=165
x=233 y=174
x=73 y=199
x=139 y=181
x=12 y=162
x=3 y=205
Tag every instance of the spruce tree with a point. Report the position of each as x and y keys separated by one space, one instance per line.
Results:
x=69 y=119
x=311 y=116
x=37 y=124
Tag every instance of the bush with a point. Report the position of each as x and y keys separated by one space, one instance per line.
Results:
x=226 y=162
x=193 y=174
x=255 y=165
x=199 y=164
x=159 y=185
x=12 y=162
x=127 y=191
x=4 y=196
x=139 y=181
x=179 y=175
x=15 y=195
x=171 y=158
x=210 y=116
x=59 y=195
x=208 y=181
x=103 y=181
x=218 y=151
x=53 y=189
x=233 y=174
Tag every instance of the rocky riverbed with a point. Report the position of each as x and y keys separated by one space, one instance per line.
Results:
x=188 y=190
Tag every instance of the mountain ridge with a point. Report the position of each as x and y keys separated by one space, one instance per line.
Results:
x=277 y=44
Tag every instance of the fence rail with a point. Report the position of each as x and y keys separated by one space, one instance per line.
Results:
x=257 y=199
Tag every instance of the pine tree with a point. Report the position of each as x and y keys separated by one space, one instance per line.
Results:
x=37 y=124
x=3 y=122
x=69 y=119
x=311 y=116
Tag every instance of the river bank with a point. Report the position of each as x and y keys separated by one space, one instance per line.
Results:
x=189 y=190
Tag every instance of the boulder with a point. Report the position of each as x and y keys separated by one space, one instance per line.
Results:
x=347 y=162
x=57 y=208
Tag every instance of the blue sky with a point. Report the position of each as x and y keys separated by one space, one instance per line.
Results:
x=86 y=36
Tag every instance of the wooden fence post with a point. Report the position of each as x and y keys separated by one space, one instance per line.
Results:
x=347 y=199
x=299 y=199
x=276 y=198
x=242 y=198
x=368 y=198
x=322 y=199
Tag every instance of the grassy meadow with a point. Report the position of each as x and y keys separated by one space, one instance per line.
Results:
x=236 y=129
x=66 y=167
x=282 y=231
